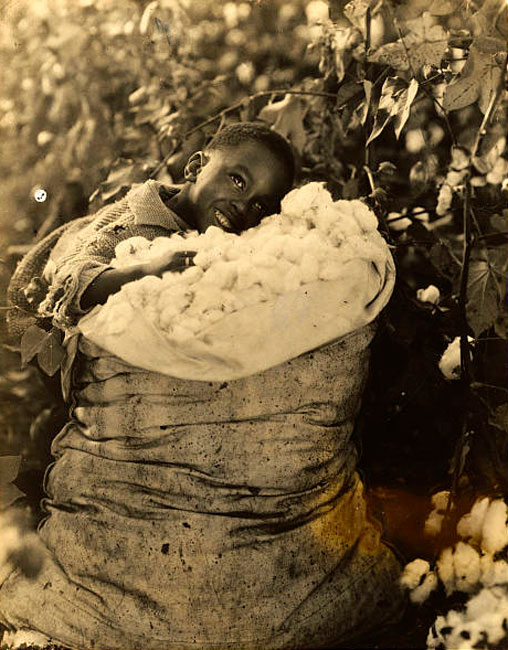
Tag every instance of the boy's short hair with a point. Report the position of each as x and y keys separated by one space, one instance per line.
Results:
x=240 y=132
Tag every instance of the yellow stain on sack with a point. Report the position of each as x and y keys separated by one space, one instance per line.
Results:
x=347 y=523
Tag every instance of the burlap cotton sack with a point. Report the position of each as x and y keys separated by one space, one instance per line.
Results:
x=200 y=514
x=217 y=505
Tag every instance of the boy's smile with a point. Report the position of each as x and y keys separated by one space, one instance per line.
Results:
x=232 y=188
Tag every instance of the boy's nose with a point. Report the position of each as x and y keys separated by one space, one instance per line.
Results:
x=239 y=206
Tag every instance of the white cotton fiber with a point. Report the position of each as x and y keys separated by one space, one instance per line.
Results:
x=494 y=528
x=308 y=242
x=470 y=526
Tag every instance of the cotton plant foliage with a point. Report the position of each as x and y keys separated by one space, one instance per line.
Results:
x=311 y=243
x=476 y=565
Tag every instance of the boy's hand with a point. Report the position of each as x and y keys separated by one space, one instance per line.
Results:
x=176 y=262
x=111 y=280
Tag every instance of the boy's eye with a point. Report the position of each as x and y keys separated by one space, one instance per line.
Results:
x=259 y=207
x=238 y=181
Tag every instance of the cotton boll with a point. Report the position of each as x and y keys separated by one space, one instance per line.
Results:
x=440 y=500
x=162 y=245
x=456 y=639
x=221 y=274
x=423 y=591
x=434 y=638
x=294 y=250
x=493 y=625
x=433 y=523
x=263 y=260
x=246 y=275
x=205 y=257
x=205 y=300
x=235 y=253
x=470 y=526
x=466 y=562
x=430 y=294
x=275 y=246
x=168 y=315
x=484 y=602
x=494 y=528
x=309 y=197
x=150 y=284
x=446 y=570
x=190 y=323
x=493 y=573
x=449 y=363
x=191 y=275
x=129 y=247
x=327 y=218
x=365 y=218
x=212 y=316
x=413 y=573
x=345 y=208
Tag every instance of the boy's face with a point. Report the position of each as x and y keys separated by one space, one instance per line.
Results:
x=236 y=187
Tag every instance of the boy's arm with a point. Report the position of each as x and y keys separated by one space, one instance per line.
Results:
x=77 y=261
x=111 y=279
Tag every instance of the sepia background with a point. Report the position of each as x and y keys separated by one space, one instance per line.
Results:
x=401 y=103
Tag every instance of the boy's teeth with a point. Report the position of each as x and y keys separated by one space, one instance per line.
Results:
x=222 y=219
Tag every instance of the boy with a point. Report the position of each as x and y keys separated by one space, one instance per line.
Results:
x=239 y=179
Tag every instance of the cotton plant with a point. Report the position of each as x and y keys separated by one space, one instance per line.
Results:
x=309 y=241
x=477 y=566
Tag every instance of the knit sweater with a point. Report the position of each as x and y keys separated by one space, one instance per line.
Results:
x=79 y=258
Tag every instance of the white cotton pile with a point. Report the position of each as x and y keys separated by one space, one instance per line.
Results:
x=478 y=567
x=309 y=241
x=434 y=521
x=486 y=525
x=419 y=580
x=482 y=621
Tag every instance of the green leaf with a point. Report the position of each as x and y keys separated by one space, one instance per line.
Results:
x=395 y=102
x=443 y=259
x=286 y=117
x=51 y=355
x=413 y=8
x=32 y=342
x=9 y=468
x=364 y=106
x=404 y=106
x=424 y=45
x=484 y=289
x=478 y=80
x=9 y=494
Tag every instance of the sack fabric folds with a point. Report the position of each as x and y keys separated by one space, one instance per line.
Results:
x=200 y=514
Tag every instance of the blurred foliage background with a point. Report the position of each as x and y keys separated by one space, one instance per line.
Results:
x=402 y=103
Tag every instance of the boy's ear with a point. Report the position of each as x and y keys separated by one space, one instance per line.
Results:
x=194 y=165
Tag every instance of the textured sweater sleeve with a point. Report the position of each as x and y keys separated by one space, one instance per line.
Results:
x=78 y=259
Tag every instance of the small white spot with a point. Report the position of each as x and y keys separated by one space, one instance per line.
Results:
x=40 y=195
